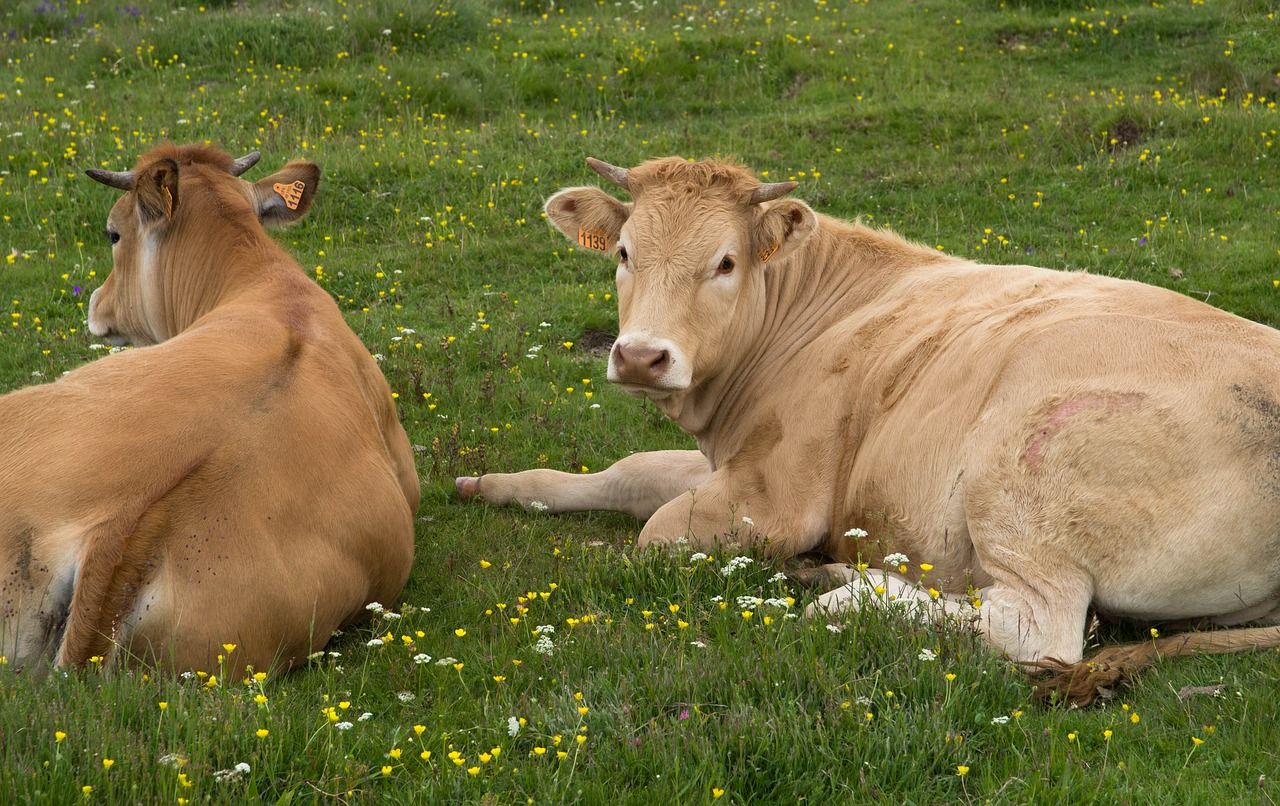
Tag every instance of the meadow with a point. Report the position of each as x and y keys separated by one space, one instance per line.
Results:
x=539 y=659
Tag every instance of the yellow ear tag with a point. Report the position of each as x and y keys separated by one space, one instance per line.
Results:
x=292 y=194
x=593 y=239
x=766 y=252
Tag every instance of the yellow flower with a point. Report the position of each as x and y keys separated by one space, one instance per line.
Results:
x=59 y=735
x=498 y=678
x=458 y=666
x=1071 y=737
x=926 y=567
x=950 y=676
x=459 y=632
x=473 y=770
x=163 y=705
x=582 y=709
x=674 y=608
x=259 y=676
x=229 y=648
x=485 y=564
x=1134 y=718
x=746 y=614
x=386 y=769
x=261 y=733
x=87 y=790
x=716 y=792
x=962 y=770
x=260 y=699
x=419 y=729
x=1106 y=734
x=394 y=753
x=538 y=751
x=107 y=762
x=1197 y=741
x=1155 y=633
x=425 y=755
x=580 y=739
x=485 y=758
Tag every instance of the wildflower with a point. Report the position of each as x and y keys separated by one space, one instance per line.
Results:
x=778 y=577
x=87 y=790
x=1071 y=737
x=446 y=661
x=735 y=564
x=834 y=628
x=421 y=658
x=58 y=736
x=1196 y=741
x=950 y=676
x=927 y=655
x=374 y=607
x=365 y=717
x=485 y=564
x=395 y=753
x=856 y=533
x=386 y=769
x=896 y=558
x=425 y=755
x=374 y=642
x=545 y=646
x=1106 y=734
x=697 y=557
x=716 y=792
x=1000 y=720
x=261 y=733
x=229 y=648
x=163 y=705
x=539 y=751
x=962 y=770
x=513 y=726
x=460 y=632
x=1134 y=718
x=748 y=521
x=926 y=567
x=107 y=762
x=344 y=726
x=473 y=770
x=698 y=644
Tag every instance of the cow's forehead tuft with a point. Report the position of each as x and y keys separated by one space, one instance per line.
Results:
x=187 y=155
x=673 y=175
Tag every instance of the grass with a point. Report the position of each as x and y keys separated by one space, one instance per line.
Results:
x=1134 y=139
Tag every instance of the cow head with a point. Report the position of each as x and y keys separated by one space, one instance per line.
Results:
x=183 y=208
x=692 y=249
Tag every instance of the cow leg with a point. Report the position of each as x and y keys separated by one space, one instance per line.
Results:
x=1025 y=626
x=638 y=485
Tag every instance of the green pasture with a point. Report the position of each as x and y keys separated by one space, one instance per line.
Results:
x=1133 y=139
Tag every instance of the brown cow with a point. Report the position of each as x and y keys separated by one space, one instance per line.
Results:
x=1047 y=441
x=241 y=480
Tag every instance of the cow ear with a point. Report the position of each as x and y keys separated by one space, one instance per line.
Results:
x=156 y=191
x=588 y=216
x=286 y=195
x=781 y=227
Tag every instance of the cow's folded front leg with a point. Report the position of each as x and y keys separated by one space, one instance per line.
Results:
x=637 y=485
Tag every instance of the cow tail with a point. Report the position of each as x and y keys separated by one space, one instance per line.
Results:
x=1081 y=683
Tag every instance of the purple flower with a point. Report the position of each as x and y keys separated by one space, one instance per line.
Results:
x=1142 y=241
x=684 y=714
x=75 y=290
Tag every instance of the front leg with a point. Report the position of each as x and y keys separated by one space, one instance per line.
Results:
x=637 y=485
x=717 y=513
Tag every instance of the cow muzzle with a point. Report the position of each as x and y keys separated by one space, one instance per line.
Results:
x=649 y=367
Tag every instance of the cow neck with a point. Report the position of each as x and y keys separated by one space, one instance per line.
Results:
x=837 y=270
x=207 y=269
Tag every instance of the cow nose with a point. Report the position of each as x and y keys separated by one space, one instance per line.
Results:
x=643 y=365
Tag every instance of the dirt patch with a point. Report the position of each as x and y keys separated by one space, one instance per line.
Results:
x=596 y=342
x=1125 y=132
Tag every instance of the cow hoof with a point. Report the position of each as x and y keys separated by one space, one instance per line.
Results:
x=468 y=486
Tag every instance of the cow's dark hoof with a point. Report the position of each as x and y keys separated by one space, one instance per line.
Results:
x=468 y=486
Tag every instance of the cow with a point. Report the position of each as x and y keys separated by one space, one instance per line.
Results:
x=235 y=487
x=1034 y=443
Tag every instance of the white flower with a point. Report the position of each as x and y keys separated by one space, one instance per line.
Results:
x=776 y=602
x=446 y=661
x=735 y=564
x=544 y=629
x=344 y=726
x=778 y=577
x=513 y=726
x=717 y=598
x=242 y=768
x=748 y=521
x=365 y=717
x=374 y=642
x=374 y=607
x=999 y=720
x=835 y=628
x=697 y=557
x=896 y=558
x=927 y=655
x=421 y=658
x=406 y=696
x=390 y=615
x=856 y=533
x=379 y=357
x=545 y=646
x=698 y=644
x=187 y=675
x=544 y=324
x=749 y=602
x=173 y=760
x=538 y=506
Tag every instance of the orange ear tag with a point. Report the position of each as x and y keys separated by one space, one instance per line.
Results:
x=593 y=239
x=292 y=194
x=766 y=252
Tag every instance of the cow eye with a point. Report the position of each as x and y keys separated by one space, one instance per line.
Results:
x=726 y=266
x=113 y=237
x=622 y=253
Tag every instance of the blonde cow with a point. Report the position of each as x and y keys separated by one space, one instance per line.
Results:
x=239 y=477
x=1048 y=441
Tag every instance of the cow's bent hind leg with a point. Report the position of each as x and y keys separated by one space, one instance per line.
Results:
x=1026 y=628
x=637 y=485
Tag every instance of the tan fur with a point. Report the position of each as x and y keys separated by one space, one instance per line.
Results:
x=1048 y=441
x=243 y=481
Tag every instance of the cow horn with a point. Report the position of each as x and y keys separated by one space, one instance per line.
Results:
x=245 y=163
x=771 y=191
x=121 y=180
x=613 y=173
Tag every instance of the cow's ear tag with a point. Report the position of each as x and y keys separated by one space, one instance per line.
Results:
x=291 y=193
x=766 y=252
x=593 y=239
